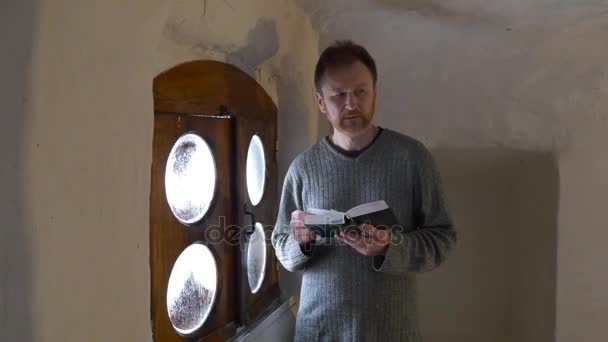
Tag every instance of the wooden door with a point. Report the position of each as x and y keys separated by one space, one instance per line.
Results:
x=224 y=107
x=169 y=236
x=254 y=305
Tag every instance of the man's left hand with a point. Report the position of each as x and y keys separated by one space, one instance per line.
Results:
x=371 y=242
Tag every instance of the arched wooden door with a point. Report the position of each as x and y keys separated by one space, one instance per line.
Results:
x=212 y=204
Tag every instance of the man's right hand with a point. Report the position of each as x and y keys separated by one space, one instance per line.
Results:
x=300 y=232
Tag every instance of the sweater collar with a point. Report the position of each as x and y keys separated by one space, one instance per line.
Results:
x=351 y=155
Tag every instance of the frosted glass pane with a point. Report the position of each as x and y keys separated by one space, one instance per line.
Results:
x=190 y=178
x=256 y=170
x=192 y=288
x=256 y=258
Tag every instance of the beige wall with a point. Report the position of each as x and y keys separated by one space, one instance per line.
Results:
x=511 y=98
x=78 y=138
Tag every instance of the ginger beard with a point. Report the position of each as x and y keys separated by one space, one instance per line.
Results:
x=354 y=122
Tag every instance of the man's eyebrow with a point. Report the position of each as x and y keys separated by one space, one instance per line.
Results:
x=360 y=85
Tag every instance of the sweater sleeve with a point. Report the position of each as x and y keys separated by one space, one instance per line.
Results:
x=289 y=252
x=429 y=243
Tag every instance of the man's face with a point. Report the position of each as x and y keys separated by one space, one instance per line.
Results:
x=348 y=98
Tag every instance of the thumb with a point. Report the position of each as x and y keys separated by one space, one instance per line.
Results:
x=298 y=214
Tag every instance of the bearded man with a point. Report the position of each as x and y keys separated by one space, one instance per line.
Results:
x=360 y=287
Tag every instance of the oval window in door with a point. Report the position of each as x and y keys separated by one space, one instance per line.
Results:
x=256 y=258
x=190 y=178
x=255 y=170
x=192 y=288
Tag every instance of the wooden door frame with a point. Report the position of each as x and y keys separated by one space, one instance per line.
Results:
x=218 y=89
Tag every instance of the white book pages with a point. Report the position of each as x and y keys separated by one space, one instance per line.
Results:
x=323 y=212
x=323 y=216
x=367 y=208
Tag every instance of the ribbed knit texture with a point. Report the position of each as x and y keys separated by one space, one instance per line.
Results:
x=347 y=296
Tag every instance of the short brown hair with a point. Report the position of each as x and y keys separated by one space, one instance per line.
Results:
x=343 y=53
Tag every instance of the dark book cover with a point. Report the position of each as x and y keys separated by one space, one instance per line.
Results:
x=382 y=219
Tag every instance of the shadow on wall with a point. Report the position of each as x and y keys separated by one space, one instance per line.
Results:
x=262 y=44
x=16 y=31
x=500 y=282
x=293 y=139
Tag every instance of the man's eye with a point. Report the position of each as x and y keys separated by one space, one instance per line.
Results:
x=360 y=92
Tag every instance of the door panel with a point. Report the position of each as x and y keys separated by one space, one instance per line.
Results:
x=254 y=305
x=169 y=237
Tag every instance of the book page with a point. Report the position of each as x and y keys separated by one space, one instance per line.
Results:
x=323 y=216
x=367 y=208
x=324 y=212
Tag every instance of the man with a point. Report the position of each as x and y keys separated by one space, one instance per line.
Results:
x=360 y=287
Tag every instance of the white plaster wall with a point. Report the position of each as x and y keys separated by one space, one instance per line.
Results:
x=511 y=98
x=77 y=135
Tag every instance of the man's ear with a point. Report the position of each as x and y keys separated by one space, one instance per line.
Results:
x=320 y=102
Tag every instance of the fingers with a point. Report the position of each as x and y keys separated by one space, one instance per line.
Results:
x=297 y=223
x=299 y=228
x=357 y=243
x=368 y=228
x=297 y=218
x=380 y=235
x=300 y=232
x=303 y=235
x=298 y=215
x=349 y=238
x=363 y=245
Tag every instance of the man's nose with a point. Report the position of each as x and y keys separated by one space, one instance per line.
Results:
x=350 y=102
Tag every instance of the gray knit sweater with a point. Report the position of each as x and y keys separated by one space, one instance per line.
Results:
x=346 y=296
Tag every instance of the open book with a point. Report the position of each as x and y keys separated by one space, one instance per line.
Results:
x=327 y=222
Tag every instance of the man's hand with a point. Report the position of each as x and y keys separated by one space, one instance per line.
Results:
x=371 y=242
x=300 y=232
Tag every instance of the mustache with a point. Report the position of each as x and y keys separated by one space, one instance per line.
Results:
x=353 y=113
